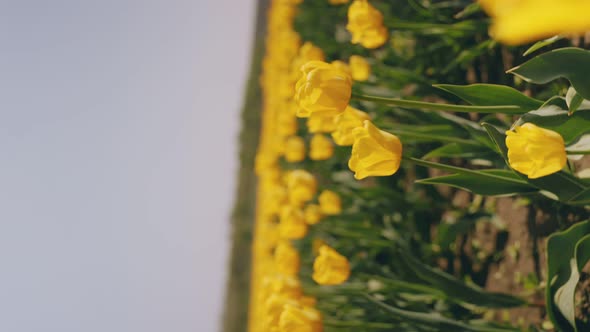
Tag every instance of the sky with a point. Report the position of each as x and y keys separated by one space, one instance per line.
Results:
x=118 y=155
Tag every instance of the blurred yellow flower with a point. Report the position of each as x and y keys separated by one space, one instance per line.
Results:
x=330 y=268
x=312 y=214
x=330 y=203
x=301 y=186
x=322 y=88
x=535 y=151
x=292 y=224
x=374 y=152
x=320 y=147
x=294 y=149
x=349 y=119
x=365 y=23
x=359 y=68
x=342 y=66
x=522 y=21
x=300 y=319
x=286 y=258
x=321 y=123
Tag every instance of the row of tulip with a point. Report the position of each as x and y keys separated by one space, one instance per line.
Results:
x=323 y=241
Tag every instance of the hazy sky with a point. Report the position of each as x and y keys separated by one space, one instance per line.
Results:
x=118 y=129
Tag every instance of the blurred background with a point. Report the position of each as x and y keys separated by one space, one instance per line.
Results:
x=119 y=122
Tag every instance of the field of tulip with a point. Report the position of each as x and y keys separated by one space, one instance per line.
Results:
x=421 y=166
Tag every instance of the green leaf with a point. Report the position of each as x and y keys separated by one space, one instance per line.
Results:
x=492 y=94
x=542 y=43
x=422 y=105
x=435 y=320
x=457 y=150
x=490 y=182
x=575 y=102
x=457 y=289
x=570 y=62
x=570 y=127
x=566 y=252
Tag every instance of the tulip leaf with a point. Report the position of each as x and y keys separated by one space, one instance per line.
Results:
x=484 y=182
x=457 y=289
x=567 y=253
x=575 y=102
x=542 y=43
x=435 y=320
x=569 y=126
x=571 y=63
x=458 y=150
x=492 y=94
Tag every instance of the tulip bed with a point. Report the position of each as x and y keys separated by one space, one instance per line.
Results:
x=421 y=167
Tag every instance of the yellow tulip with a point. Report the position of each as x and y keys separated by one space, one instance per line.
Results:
x=330 y=268
x=535 y=151
x=322 y=88
x=312 y=214
x=294 y=149
x=342 y=66
x=349 y=119
x=307 y=52
x=301 y=186
x=365 y=23
x=374 y=152
x=300 y=319
x=522 y=21
x=286 y=259
x=360 y=68
x=330 y=203
x=320 y=147
x=320 y=123
x=292 y=224
x=286 y=123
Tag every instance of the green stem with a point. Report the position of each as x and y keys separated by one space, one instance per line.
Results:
x=434 y=137
x=436 y=106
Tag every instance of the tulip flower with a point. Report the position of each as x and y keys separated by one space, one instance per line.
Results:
x=294 y=149
x=359 y=68
x=349 y=119
x=523 y=21
x=374 y=152
x=286 y=259
x=365 y=23
x=312 y=214
x=330 y=203
x=320 y=147
x=300 y=319
x=322 y=88
x=535 y=151
x=330 y=268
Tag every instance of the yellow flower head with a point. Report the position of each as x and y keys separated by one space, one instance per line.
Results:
x=535 y=151
x=312 y=214
x=374 y=152
x=286 y=123
x=342 y=66
x=360 y=68
x=330 y=203
x=286 y=259
x=322 y=88
x=349 y=119
x=321 y=123
x=330 y=268
x=365 y=23
x=320 y=147
x=301 y=186
x=292 y=224
x=522 y=21
x=300 y=319
x=294 y=149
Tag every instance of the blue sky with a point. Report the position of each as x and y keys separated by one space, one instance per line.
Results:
x=118 y=130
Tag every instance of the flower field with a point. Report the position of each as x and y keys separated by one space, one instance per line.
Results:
x=421 y=166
